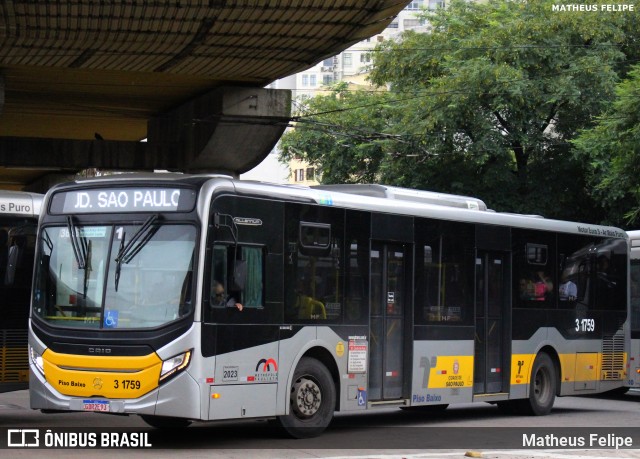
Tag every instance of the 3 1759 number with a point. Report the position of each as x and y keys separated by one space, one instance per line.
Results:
x=585 y=325
x=130 y=384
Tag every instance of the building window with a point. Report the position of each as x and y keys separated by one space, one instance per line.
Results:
x=365 y=58
x=310 y=173
x=299 y=175
x=393 y=25
x=415 y=5
x=433 y=4
x=347 y=60
x=312 y=80
x=327 y=79
x=411 y=23
x=305 y=80
x=328 y=62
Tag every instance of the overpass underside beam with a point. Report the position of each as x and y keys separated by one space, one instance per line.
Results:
x=228 y=130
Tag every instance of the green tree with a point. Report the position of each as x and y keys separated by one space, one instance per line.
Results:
x=343 y=137
x=611 y=151
x=484 y=104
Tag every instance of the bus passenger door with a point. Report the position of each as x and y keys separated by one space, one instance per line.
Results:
x=389 y=299
x=490 y=360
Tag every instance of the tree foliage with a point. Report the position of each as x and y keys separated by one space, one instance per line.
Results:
x=485 y=104
x=343 y=138
x=611 y=151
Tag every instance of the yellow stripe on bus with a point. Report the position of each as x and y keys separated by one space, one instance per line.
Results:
x=452 y=371
x=457 y=371
x=101 y=376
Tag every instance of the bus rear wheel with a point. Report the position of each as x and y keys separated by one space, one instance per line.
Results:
x=165 y=422
x=542 y=388
x=312 y=400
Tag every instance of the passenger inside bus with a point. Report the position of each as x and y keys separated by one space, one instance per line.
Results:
x=536 y=288
x=220 y=299
x=307 y=306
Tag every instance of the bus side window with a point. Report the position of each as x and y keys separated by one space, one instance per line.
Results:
x=237 y=272
x=316 y=276
x=536 y=286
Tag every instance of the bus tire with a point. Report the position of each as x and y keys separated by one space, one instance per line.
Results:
x=165 y=422
x=312 y=400
x=542 y=387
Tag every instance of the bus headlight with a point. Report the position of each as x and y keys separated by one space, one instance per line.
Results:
x=36 y=359
x=174 y=365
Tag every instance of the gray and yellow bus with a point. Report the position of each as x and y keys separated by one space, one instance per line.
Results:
x=199 y=298
x=18 y=224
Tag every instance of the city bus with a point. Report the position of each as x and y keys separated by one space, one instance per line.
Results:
x=18 y=225
x=634 y=289
x=186 y=298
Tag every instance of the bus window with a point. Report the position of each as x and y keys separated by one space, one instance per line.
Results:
x=317 y=286
x=534 y=270
x=356 y=289
x=314 y=270
x=18 y=248
x=229 y=265
x=610 y=282
x=444 y=278
x=590 y=274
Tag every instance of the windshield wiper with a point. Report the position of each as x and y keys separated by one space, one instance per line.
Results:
x=128 y=251
x=47 y=240
x=81 y=251
x=78 y=243
x=118 y=264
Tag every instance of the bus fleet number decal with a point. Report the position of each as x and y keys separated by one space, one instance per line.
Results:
x=585 y=325
x=131 y=384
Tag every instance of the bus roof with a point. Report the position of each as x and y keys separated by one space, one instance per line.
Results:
x=392 y=200
x=396 y=204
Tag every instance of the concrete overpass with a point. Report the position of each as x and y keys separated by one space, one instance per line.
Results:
x=83 y=81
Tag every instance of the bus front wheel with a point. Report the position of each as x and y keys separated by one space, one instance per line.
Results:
x=312 y=400
x=542 y=388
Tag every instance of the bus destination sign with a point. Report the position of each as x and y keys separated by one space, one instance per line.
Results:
x=123 y=200
x=17 y=205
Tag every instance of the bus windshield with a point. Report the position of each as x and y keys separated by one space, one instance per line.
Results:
x=114 y=276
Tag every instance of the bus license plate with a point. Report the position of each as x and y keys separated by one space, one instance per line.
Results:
x=96 y=405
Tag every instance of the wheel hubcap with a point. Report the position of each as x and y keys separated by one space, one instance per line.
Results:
x=306 y=398
x=541 y=386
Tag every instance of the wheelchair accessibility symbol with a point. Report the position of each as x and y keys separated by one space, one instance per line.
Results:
x=110 y=319
x=362 y=397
